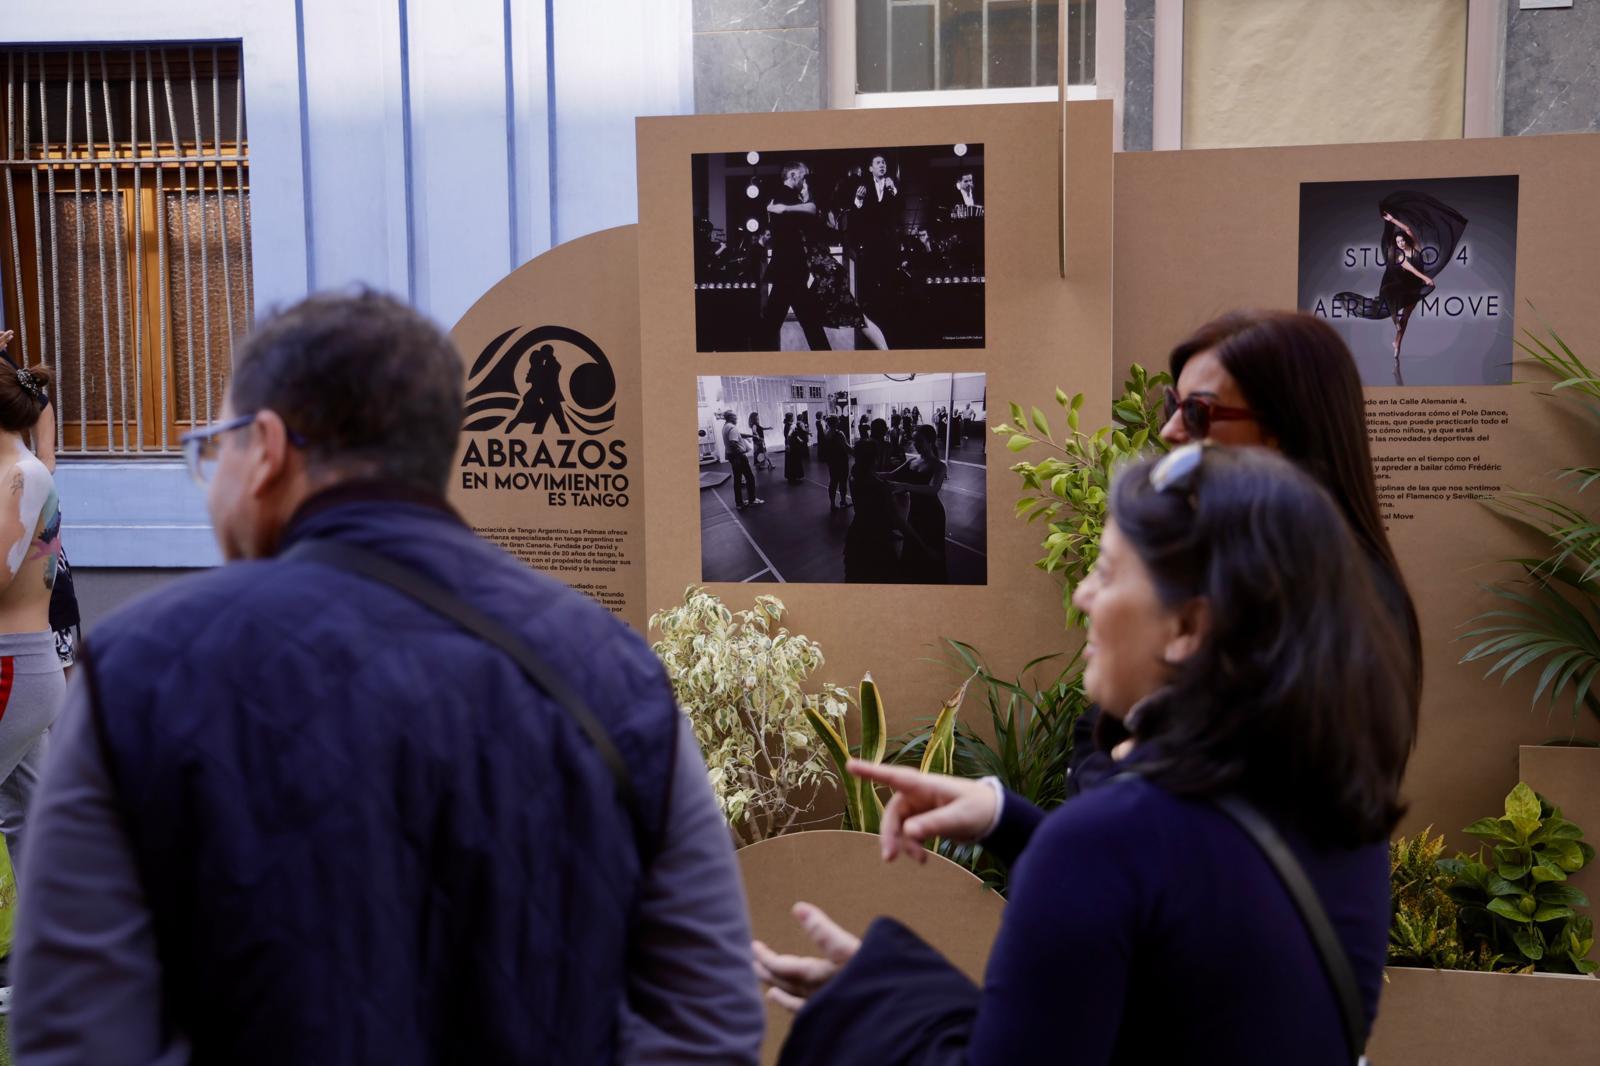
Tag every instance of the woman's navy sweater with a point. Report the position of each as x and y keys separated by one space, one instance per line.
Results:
x=1141 y=928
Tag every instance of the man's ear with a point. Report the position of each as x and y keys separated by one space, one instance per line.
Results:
x=1191 y=627
x=270 y=453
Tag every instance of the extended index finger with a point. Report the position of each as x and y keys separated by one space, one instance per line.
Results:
x=901 y=778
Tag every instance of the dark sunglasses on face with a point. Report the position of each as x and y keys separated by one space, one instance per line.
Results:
x=1199 y=413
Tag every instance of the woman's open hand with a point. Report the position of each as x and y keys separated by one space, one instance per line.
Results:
x=792 y=979
x=925 y=806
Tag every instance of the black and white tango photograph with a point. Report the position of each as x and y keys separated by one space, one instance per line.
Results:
x=839 y=249
x=858 y=478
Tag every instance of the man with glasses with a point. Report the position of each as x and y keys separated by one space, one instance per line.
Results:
x=373 y=791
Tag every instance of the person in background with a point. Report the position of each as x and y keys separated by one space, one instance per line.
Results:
x=875 y=229
x=1144 y=924
x=65 y=617
x=298 y=810
x=794 y=449
x=32 y=682
x=870 y=552
x=838 y=463
x=738 y=453
x=790 y=214
x=758 y=438
x=794 y=456
x=1295 y=378
x=921 y=476
x=1284 y=381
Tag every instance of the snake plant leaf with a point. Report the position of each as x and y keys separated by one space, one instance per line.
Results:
x=939 y=758
x=839 y=752
x=874 y=731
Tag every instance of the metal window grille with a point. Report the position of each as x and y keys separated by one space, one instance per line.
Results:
x=125 y=265
x=922 y=45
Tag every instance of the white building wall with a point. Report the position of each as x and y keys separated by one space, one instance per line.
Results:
x=422 y=147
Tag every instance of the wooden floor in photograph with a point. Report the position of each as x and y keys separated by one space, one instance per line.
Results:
x=795 y=537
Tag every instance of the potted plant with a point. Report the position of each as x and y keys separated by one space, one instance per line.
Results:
x=1477 y=939
x=1550 y=617
x=741 y=678
x=1025 y=740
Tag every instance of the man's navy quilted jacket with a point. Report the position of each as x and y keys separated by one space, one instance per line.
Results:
x=365 y=836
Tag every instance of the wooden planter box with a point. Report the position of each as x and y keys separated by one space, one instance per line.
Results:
x=1570 y=778
x=1450 y=1017
x=843 y=873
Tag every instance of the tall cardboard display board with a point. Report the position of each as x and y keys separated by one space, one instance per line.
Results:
x=548 y=464
x=1009 y=316
x=1202 y=232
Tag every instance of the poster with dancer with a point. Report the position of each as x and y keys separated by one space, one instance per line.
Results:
x=844 y=478
x=841 y=249
x=1417 y=275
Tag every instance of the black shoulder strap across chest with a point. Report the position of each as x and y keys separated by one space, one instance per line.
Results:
x=442 y=601
x=1335 y=961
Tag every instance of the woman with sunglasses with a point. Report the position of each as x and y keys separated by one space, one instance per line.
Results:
x=1146 y=922
x=1284 y=381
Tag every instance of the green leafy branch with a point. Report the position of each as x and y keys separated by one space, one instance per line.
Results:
x=1071 y=488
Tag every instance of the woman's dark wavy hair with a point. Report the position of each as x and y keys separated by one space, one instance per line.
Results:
x=1299 y=695
x=21 y=405
x=1300 y=380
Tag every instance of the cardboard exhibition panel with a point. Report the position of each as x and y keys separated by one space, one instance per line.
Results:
x=548 y=464
x=1445 y=1017
x=938 y=296
x=1203 y=232
x=843 y=874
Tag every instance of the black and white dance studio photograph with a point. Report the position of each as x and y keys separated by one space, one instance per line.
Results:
x=839 y=249
x=858 y=478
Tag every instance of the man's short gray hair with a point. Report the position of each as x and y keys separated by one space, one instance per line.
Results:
x=375 y=388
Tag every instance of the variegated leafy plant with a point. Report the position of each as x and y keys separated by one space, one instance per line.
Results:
x=741 y=677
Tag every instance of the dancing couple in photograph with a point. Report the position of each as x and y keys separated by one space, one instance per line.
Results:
x=803 y=273
x=887 y=543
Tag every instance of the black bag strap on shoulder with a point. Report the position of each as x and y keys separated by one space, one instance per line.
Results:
x=436 y=597
x=1334 y=960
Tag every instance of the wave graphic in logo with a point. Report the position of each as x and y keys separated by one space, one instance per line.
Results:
x=539 y=378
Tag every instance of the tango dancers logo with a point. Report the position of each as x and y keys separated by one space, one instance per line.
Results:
x=549 y=374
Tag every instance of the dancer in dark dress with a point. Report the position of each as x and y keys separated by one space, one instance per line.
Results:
x=795 y=443
x=923 y=561
x=1419 y=233
x=830 y=280
x=869 y=544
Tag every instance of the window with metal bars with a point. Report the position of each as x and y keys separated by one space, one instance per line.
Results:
x=125 y=243
x=923 y=45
